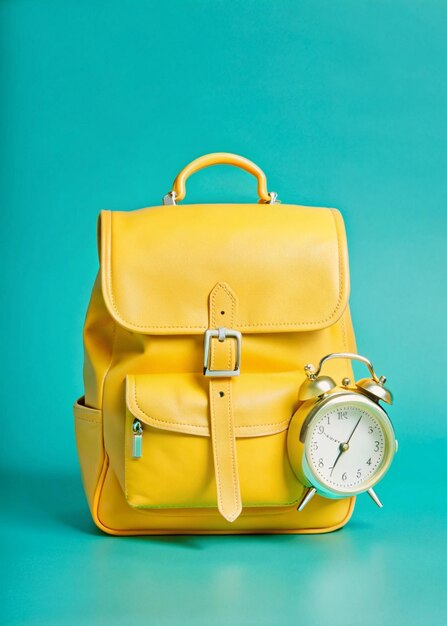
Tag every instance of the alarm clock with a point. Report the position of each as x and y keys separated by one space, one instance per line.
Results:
x=340 y=440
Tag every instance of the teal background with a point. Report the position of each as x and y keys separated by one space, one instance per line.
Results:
x=342 y=104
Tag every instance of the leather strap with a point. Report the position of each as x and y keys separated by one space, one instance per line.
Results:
x=222 y=356
x=217 y=158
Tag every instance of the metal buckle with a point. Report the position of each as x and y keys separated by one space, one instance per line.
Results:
x=222 y=334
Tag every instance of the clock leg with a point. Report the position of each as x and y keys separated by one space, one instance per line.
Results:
x=375 y=497
x=307 y=498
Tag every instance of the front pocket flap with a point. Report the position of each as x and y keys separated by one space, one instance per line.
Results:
x=263 y=404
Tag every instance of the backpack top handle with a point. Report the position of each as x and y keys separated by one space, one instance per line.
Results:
x=178 y=191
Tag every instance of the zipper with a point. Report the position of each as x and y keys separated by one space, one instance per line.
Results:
x=137 y=439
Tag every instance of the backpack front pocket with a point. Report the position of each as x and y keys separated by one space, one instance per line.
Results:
x=168 y=451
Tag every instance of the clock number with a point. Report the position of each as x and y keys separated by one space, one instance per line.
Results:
x=370 y=430
x=321 y=429
x=342 y=415
x=328 y=420
x=376 y=446
x=314 y=446
x=320 y=463
x=368 y=462
x=344 y=476
x=359 y=473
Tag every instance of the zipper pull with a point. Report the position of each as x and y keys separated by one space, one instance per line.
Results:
x=137 y=440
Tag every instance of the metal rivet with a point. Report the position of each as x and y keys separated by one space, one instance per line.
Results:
x=221 y=394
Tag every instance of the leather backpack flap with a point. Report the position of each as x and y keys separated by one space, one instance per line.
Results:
x=286 y=264
x=286 y=270
x=176 y=469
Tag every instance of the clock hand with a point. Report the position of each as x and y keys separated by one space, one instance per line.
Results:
x=342 y=449
x=345 y=446
x=350 y=436
x=331 y=438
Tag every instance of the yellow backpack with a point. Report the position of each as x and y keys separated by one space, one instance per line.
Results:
x=201 y=320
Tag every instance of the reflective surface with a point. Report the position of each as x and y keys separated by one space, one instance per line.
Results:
x=386 y=567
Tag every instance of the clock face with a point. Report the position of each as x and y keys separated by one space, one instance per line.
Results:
x=347 y=445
